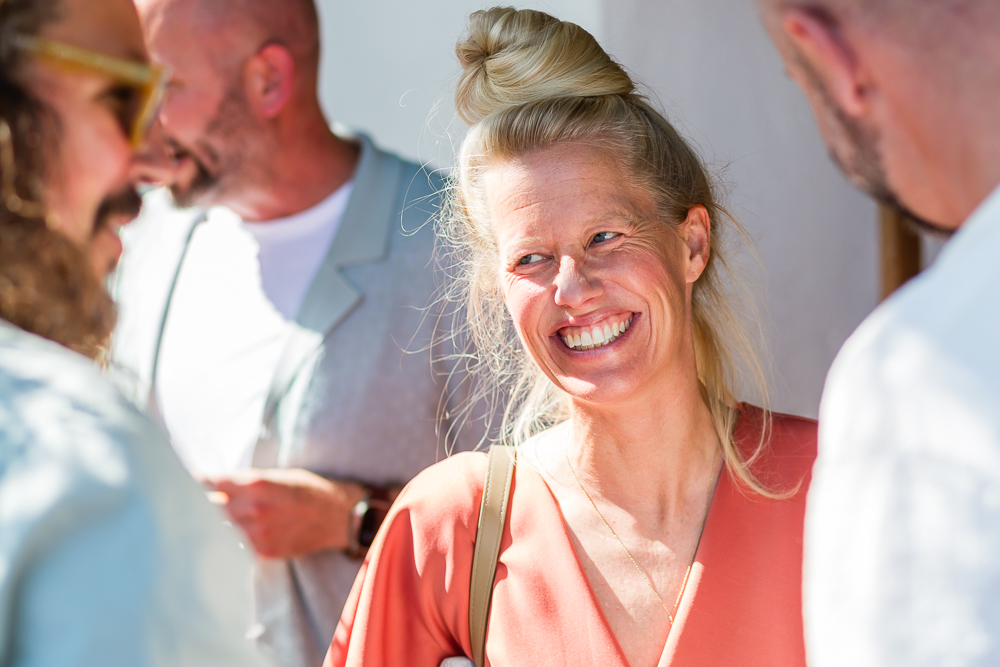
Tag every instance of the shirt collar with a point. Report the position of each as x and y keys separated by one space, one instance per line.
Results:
x=980 y=229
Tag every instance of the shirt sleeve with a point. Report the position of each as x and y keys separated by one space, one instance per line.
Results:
x=410 y=602
x=104 y=565
x=81 y=583
x=902 y=557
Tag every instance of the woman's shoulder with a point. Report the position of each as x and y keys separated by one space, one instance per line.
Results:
x=448 y=491
x=789 y=443
x=785 y=433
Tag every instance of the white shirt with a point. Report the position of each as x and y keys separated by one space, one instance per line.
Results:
x=902 y=562
x=291 y=249
x=231 y=315
x=110 y=554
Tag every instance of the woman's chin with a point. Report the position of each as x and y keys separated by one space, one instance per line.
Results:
x=601 y=388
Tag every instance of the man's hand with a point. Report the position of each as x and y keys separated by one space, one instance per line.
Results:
x=289 y=512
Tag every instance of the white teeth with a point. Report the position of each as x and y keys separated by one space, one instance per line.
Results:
x=596 y=337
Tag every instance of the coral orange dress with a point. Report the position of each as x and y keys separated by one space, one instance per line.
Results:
x=742 y=605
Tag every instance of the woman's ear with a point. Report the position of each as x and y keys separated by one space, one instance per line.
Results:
x=270 y=80
x=696 y=232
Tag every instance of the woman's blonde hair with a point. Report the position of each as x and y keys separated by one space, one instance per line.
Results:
x=530 y=81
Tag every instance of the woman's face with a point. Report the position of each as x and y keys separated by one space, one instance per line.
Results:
x=598 y=286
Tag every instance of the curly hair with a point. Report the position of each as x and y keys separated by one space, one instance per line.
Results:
x=47 y=285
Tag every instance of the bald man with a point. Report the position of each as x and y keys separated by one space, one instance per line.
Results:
x=279 y=327
x=903 y=525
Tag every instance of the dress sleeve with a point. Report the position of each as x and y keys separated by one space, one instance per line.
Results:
x=410 y=602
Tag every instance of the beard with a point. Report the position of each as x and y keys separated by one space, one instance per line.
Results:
x=47 y=287
x=202 y=188
x=105 y=247
x=854 y=148
x=219 y=158
x=124 y=206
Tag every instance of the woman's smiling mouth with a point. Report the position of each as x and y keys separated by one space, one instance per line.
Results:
x=590 y=338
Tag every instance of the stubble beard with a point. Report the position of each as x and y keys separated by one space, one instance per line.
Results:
x=854 y=148
x=213 y=185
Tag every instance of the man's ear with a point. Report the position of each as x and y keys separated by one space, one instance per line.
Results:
x=821 y=45
x=696 y=232
x=270 y=79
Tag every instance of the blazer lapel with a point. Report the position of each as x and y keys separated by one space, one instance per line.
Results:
x=363 y=237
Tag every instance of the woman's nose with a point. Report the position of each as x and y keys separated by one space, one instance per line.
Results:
x=574 y=285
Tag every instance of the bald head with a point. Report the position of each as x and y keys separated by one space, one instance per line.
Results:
x=243 y=110
x=235 y=29
x=920 y=22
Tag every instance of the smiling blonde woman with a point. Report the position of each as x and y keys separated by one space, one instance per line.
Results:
x=653 y=519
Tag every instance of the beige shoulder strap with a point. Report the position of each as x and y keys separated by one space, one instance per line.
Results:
x=492 y=517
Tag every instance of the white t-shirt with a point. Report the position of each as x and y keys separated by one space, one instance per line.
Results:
x=231 y=315
x=902 y=561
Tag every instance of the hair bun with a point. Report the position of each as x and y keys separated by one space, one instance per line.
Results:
x=513 y=57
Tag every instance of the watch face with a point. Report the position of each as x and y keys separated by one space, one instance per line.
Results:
x=370 y=525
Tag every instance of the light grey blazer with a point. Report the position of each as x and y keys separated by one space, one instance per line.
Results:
x=365 y=402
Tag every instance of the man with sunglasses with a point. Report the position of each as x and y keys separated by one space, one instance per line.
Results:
x=284 y=337
x=110 y=554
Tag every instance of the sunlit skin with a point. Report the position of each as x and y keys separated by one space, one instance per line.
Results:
x=577 y=250
x=933 y=120
x=581 y=244
x=105 y=247
x=272 y=156
x=196 y=89
x=92 y=158
x=269 y=147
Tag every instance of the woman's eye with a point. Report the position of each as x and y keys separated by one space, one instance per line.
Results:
x=530 y=259
x=603 y=236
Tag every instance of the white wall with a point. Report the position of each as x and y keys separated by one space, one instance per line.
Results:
x=389 y=69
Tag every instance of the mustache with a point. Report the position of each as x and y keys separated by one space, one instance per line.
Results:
x=125 y=204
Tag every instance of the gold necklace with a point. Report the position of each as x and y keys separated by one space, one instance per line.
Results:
x=701 y=531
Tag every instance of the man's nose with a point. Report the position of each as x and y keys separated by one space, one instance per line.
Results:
x=152 y=163
x=574 y=284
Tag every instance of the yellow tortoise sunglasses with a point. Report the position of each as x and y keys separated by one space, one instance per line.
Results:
x=148 y=81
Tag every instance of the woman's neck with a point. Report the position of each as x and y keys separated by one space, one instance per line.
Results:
x=649 y=455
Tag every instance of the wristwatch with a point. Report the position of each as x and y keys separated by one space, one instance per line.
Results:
x=366 y=518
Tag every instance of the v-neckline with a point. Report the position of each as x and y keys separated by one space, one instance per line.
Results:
x=680 y=617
